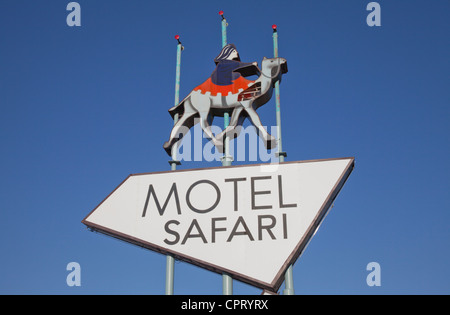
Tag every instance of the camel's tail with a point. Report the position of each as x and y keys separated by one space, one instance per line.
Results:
x=178 y=109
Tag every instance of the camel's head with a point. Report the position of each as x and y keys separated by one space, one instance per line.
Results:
x=274 y=65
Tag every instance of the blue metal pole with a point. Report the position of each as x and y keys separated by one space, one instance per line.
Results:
x=281 y=155
x=170 y=266
x=288 y=276
x=227 y=281
x=170 y=260
x=226 y=159
x=174 y=161
x=224 y=29
x=177 y=74
x=289 y=282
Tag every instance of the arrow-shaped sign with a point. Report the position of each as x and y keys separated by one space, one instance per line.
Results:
x=250 y=221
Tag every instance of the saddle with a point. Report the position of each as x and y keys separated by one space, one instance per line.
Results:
x=242 y=86
x=238 y=85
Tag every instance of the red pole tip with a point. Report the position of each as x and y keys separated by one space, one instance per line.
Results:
x=177 y=37
x=220 y=12
x=274 y=26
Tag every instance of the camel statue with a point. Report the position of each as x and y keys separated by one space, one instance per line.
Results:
x=242 y=99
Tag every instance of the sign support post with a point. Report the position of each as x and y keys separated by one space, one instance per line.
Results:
x=170 y=260
x=227 y=281
x=226 y=159
x=288 y=277
x=281 y=155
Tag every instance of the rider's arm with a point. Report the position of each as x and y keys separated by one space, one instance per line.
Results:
x=248 y=69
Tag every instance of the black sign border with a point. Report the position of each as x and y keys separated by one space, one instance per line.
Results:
x=279 y=278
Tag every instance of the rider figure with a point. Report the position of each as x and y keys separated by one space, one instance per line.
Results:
x=229 y=73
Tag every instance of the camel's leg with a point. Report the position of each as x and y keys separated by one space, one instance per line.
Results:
x=269 y=141
x=202 y=104
x=207 y=130
x=182 y=126
x=234 y=120
x=239 y=124
x=179 y=130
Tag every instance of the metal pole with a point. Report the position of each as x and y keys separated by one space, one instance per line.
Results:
x=281 y=155
x=170 y=264
x=288 y=276
x=170 y=260
x=227 y=281
x=224 y=29
x=289 y=282
x=226 y=159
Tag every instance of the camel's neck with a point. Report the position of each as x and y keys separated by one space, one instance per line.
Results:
x=267 y=79
x=267 y=83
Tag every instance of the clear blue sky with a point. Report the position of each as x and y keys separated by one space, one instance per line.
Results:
x=83 y=107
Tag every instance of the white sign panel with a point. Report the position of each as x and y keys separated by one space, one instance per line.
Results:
x=251 y=222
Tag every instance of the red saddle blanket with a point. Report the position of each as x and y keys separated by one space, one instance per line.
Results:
x=209 y=86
